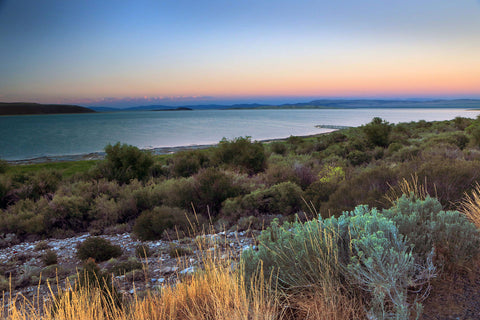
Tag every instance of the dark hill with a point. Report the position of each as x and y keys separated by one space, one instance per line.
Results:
x=21 y=108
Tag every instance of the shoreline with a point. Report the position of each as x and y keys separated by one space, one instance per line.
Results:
x=156 y=151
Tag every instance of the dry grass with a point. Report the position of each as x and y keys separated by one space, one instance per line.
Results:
x=216 y=292
x=410 y=187
x=470 y=205
x=327 y=304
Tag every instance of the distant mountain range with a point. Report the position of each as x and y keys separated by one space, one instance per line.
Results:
x=19 y=108
x=24 y=108
x=318 y=104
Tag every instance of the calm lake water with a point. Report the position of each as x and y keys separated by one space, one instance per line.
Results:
x=26 y=137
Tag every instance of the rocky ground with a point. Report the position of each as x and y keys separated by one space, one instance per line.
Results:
x=454 y=297
x=23 y=263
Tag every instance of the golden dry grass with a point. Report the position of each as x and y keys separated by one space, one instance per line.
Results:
x=217 y=292
x=409 y=187
x=470 y=205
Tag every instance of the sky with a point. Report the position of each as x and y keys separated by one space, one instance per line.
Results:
x=124 y=53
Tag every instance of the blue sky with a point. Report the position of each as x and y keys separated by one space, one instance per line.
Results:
x=135 y=52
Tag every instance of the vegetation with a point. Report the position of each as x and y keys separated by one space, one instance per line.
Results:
x=124 y=163
x=326 y=174
x=363 y=219
x=98 y=249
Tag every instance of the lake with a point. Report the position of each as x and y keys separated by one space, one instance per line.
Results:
x=26 y=137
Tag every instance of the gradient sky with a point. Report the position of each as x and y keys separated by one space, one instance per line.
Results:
x=118 y=52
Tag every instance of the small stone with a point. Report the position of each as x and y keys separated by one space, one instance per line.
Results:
x=188 y=270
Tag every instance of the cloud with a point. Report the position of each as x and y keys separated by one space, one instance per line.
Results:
x=123 y=102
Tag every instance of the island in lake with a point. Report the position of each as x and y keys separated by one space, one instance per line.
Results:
x=25 y=108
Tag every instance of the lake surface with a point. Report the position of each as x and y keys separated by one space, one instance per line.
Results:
x=26 y=137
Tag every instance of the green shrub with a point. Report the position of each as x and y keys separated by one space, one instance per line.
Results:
x=67 y=213
x=143 y=251
x=104 y=212
x=366 y=186
x=319 y=193
x=122 y=267
x=24 y=218
x=357 y=157
x=378 y=132
x=151 y=224
x=40 y=183
x=98 y=249
x=124 y=163
x=360 y=249
x=5 y=186
x=176 y=192
x=278 y=147
x=284 y=198
x=187 y=163
x=474 y=131
x=461 y=123
x=394 y=147
x=4 y=284
x=241 y=153
x=177 y=251
x=454 y=240
x=3 y=166
x=447 y=179
x=212 y=187
x=49 y=258
x=299 y=170
x=42 y=245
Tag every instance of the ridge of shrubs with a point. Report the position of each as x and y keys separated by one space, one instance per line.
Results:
x=239 y=179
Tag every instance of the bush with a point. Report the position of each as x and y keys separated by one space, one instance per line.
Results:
x=365 y=186
x=122 y=267
x=143 y=251
x=177 y=251
x=24 y=218
x=357 y=157
x=461 y=123
x=151 y=224
x=176 y=192
x=67 y=213
x=453 y=238
x=104 y=212
x=41 y=183
x=284 y=198
x=187 y=163
x=378 y=132
x=319 y=193
x=98 y=249
x=212 y=187
x=360 y=249
x=42 y=245
x=447 y=179
x=124 y=163
x=474 y=131
x=3 y=166
x=278 y=147
x=241 y=153
x=50 y=257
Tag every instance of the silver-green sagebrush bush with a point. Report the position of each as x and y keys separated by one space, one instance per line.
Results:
x=454 y=240
x=361 y=249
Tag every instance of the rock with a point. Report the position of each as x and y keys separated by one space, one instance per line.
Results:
x=188 y=270
x=168 y=270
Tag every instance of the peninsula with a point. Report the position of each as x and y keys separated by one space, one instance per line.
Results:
x=25 y=108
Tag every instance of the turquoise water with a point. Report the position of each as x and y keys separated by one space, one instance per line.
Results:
x=26 y=137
